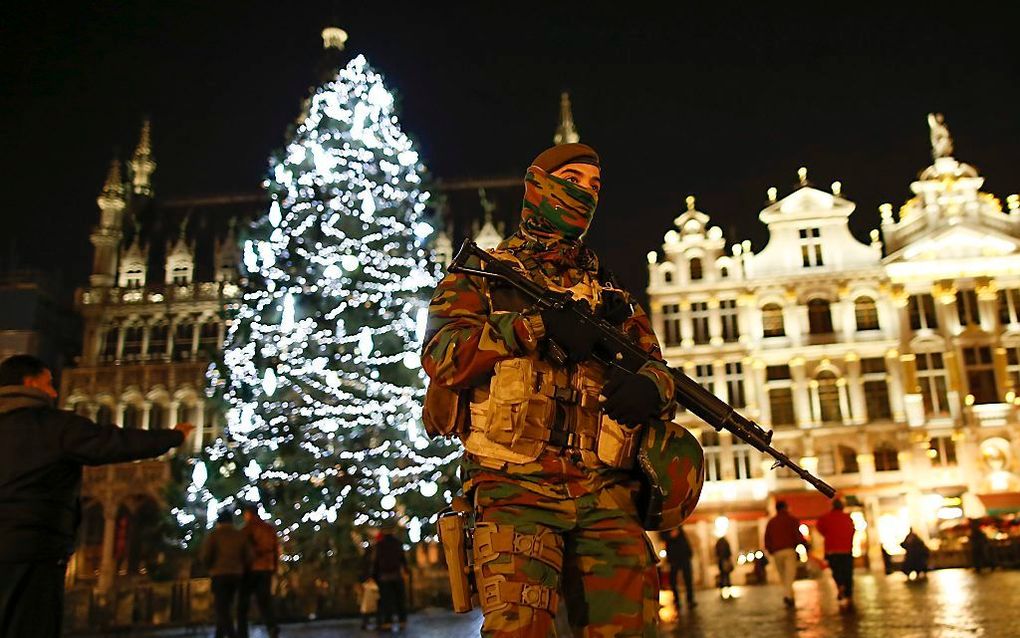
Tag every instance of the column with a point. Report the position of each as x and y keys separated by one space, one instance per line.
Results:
x=146 y=411
x=844 y=402
x=686 y=325
x=801 y=394
x=172 y=415
x=194 y=338
x=816 y=402
x=748 y=321
x=199 y=435
x=858 y=404
x=865 y=460
x=93 y=413
x=719 y=387
x=146 y=337
x=658 y=321
x=118 y=414
x=107 y=567
x=714 y=323
x=1001 y=374
x=792 y=325
x=895 y=382
x=120 y=341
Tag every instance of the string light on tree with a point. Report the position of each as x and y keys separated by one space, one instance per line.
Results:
x=321 y=376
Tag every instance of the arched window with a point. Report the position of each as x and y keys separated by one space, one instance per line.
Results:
x=847 y=459
x=132 y=417
x=887 y=459
x=209 y=338
x=184 y=335
x=866 y=313
x=157 y=416
x=828 y=398
x=133 y=341
x=772 y=320
x=104 y=416
x=110 y=342
x=667 y=276
x=724 y=272
x=819 y=317
x=158 y=337
x=696 y=269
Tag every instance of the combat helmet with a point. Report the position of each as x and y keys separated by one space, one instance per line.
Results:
x=672 y=466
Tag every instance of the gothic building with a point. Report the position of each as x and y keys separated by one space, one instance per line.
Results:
x=889 y=367
x=163 y=273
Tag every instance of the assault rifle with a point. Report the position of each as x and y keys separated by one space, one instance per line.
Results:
x=616 y=349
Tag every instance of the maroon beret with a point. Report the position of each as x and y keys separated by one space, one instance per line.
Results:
x=562 y=154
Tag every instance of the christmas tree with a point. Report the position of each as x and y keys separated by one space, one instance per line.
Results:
x=320 y=378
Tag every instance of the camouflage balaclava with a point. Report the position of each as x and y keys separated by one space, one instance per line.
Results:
x=554 y=208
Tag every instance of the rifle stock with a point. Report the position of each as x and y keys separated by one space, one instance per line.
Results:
x=616 y=349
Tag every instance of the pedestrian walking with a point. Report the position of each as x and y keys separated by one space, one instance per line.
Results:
x=388 y=570
x=724 y=559
x=979 y=547
x=837 y=528
x=679 y=555
x=258 y=581
x=782 y=536
x=227 y=555
x=42 y=451
x=915 y=561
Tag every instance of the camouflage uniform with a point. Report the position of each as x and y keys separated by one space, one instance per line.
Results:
x=551 y=515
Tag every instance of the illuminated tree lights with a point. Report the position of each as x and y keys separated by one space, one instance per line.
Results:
x=320 y=376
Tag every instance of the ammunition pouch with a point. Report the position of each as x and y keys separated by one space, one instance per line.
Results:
x=531 y=405
x=495 y=592
x=445 y=412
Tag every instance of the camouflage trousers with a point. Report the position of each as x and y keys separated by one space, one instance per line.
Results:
x=573 y=533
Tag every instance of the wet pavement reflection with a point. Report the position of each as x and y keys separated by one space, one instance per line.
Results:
x=952 y=603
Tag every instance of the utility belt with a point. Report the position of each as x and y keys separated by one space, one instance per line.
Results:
x=530 y=406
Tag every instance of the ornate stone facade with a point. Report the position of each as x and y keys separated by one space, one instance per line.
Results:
x=891 y=368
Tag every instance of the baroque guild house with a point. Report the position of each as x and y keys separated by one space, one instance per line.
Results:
x=889 y=368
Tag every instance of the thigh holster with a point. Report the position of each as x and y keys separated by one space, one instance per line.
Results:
x=495 y=591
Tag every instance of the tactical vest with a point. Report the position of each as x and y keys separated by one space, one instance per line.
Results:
x=531 y=404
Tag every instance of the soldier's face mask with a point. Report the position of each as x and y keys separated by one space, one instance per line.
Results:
x=555 y=208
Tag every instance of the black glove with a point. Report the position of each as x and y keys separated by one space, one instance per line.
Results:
x=631 y=399
x=614 y=308
x=575 y=337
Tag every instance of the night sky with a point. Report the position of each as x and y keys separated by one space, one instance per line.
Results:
x=722 y=106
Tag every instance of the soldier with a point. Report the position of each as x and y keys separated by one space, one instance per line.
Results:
x=549 y=448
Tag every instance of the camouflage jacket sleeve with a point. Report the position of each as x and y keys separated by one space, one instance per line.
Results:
x=465 y=338
x=639 y=328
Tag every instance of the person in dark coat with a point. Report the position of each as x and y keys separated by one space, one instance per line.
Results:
x=42 y=451
x=678 y=553
x=724 y=560
x=258 y=581
x=389 y=568
x=979 y=547
x=915 y=561
x=227 y=554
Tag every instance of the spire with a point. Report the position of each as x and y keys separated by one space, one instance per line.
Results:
x=113 y=186
x=142 y=164
x=566 y=132
x=106 y=236
x=111 y=199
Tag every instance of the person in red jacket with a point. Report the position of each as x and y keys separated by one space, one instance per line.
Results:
x=782 y=536
x=837 y=528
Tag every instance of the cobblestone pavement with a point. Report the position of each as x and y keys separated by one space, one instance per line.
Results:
x=952 y=603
